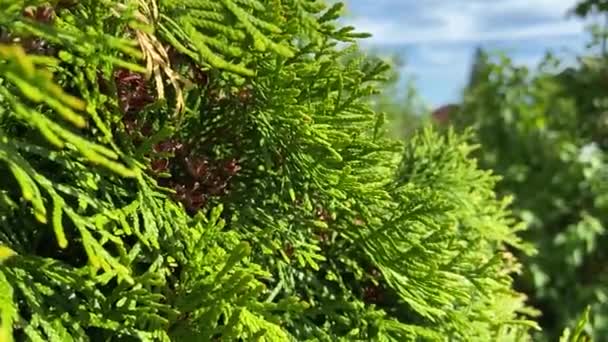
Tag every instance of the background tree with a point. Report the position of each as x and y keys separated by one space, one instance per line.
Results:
x=545 y=132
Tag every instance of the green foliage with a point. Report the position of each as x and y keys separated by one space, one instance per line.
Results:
x=545 y=133
x=586 y=7
x=577 y=334
x=318 y=228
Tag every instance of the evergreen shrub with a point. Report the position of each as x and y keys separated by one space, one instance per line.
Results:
x=211 y=170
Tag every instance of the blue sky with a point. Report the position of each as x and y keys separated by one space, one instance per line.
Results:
x=437 y=38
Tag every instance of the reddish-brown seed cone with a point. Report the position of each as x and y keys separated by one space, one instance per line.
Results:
x=373 y=294
x=232 y=167
x=169 y=146
x=132 y=126
x=192 y=199
x=200 y=77
x=195 y=200
x=245 y=95
x=218 y=186
x=323 y=237
x=322 y=214
x=34 y=45
x=42 y=14
x=180 y=192
x=197 y=167
x=288 y=249
x=38 y=46
x=194 y=178
x=159 y=165
x=134 y=92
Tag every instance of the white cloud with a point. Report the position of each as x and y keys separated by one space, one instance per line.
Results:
x=436 y=55
x=461 y=22
x=459 y=30
x=556 y=8
x=438 y=37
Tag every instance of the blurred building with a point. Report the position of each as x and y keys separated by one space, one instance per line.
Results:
x=441 y=115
